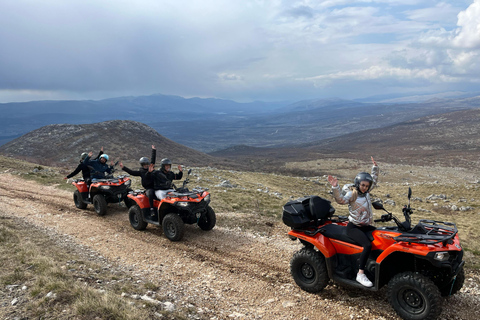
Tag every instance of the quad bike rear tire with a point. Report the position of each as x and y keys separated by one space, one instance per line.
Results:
x=136 y=218
x=309 y=270
x=77 y=198
x=208 y=221
x=173 y=227
x=454 y=286
x=100 y=204
x=414 y=296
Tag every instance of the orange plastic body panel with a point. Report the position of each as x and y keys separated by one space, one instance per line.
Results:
x=383 y=240
x=323 y=244
x=82 y=186
x=420 y=249
x=142 y=200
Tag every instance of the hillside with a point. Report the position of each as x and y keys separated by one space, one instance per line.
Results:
x=62 y=144
x=448 y=139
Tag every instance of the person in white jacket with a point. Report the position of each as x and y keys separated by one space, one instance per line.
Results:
x=361 y=214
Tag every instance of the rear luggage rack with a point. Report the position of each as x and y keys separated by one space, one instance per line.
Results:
x=429 y=232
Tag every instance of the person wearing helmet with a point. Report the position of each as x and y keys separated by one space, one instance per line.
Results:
x=82 y=167
x=98 y=166
x=360 y=214
x=147 y=181
x=163 y=178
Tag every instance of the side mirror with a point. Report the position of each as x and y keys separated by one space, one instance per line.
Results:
x=409 y=193
x=189 y=171
x=377 y=205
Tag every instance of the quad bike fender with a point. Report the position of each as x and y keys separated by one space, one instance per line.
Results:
x=169 y=200
x=420 y=251
x=81 y=186
x=323 y=244
x=141 y=200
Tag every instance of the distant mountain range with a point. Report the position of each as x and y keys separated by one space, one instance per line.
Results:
x=449 y=139
x=208 y=125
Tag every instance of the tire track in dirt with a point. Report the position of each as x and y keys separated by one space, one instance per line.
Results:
x=204 y=246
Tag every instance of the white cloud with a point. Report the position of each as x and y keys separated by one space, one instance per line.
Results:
x=379 y=72
x=468 y=35
x=442 y=11
x=229 y=77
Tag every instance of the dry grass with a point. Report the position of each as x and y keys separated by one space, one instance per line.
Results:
x=73 y=293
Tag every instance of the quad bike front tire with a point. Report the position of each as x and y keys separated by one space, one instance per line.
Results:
x=309 y=270
x=454 y=286
x=414 y=296
x=100 y=204
x=77 y=198
x=208 y=221
x=173 y=227
x=136 y=218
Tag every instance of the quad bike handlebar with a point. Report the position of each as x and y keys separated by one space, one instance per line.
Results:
x=183 y=188
x=407 y=211
x=425 y=232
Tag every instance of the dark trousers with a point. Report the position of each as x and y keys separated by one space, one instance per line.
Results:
x=358 y=234
x=151 y=196
x=88 y=182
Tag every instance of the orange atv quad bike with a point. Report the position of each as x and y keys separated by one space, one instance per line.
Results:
x=178 y=208
x=102 y=192
x=418 y=264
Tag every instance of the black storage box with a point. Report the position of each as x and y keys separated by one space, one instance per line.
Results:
x=296 y=213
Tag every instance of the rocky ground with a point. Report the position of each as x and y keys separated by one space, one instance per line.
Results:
x=221 y=274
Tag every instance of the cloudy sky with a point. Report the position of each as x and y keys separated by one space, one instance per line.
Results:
x=242 y=50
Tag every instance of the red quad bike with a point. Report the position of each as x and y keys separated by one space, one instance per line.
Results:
x=418 y=264
x=179 y=207
x=102 y=192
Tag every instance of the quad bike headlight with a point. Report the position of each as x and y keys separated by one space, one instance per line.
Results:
x=128 y=183
x=105 y=187
x=182 y=204
x=207 y=198
x=441 y=256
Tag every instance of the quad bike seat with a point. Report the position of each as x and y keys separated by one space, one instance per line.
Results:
x=338 y=232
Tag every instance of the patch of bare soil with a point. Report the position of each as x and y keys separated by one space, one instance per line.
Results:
x=223 y=273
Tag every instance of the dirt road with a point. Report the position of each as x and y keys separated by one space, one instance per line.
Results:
x=224 y=273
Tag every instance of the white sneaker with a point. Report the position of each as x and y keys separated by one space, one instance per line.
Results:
x=362 y=278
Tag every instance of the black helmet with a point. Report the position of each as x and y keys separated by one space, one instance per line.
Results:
x=164 y=162
x=83 y=156
x=144 y=160
x=363 y=176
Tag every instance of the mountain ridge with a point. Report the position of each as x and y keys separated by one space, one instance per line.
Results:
x=123 y=140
